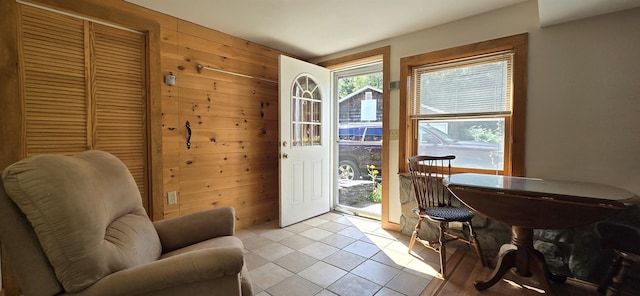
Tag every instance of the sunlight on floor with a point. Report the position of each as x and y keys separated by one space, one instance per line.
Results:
x=333 y=254
x=380 y=238
x=514 y=284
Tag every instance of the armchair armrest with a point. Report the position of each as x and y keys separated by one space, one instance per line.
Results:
x=183 y=269
x=179 y=232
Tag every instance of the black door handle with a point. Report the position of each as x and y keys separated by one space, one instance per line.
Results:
x=188 y=134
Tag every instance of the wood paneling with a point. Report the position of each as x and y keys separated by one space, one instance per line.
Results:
x=11 y=134
x=234 y=122
x=233 y=157
x=233 y=160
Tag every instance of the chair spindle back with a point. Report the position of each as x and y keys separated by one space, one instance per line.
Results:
x=426 y=177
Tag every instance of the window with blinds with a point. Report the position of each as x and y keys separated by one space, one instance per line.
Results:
x=460 y=107
x=468 y=101
x=478 y=86
x=84 y=87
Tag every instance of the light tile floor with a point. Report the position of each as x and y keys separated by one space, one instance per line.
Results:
x=336 y=254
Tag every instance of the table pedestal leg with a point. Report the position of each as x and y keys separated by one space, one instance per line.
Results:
x=544 y=269
x=526 y=260
x=505 y=262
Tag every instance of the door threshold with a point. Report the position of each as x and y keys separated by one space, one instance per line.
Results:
x=358 y=212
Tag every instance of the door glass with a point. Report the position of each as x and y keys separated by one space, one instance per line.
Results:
x=359 y=136
x=305 y=112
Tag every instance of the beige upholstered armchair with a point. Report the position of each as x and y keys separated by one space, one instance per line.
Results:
x=75 y=225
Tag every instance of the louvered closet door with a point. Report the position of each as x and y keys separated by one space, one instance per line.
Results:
x=119 y=97
x=84 y=88
x=55 y=94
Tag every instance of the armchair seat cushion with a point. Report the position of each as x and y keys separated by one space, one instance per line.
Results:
x=219 y=243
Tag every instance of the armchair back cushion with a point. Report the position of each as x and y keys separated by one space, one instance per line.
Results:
x=87 y=227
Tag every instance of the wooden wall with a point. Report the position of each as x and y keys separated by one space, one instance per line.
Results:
x=234 y=121
x=233 y=159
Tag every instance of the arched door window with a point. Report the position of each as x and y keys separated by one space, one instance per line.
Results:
x=306 y=122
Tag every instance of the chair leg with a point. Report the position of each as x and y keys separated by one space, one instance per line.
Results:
x=476 y=244
x=616 y=282
x=414 y=236
x=443 y=250
x=613 y=270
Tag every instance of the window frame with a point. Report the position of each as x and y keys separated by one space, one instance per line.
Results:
x=306 y=118
x=383 y=53
x=514 y=124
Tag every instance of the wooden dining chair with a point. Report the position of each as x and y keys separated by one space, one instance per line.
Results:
x=625 y=241
x=434 y=204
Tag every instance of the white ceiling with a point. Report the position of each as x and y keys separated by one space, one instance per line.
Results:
x=315 y=28
x=554 y=12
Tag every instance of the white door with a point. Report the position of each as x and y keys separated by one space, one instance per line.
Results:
x=305 y=140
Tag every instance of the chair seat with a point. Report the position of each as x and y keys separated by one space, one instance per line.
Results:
x=448 y=213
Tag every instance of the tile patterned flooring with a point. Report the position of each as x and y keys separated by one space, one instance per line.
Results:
x=335 y=254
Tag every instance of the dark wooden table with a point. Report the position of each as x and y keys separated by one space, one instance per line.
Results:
x=527 y=204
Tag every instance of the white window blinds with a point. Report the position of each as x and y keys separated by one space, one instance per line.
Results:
x=476 y=86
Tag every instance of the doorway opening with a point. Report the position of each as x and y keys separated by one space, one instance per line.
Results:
x=358 y=93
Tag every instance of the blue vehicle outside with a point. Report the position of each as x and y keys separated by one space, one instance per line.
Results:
x=360 y=146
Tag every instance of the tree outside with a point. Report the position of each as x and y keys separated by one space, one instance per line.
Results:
x=348 y=85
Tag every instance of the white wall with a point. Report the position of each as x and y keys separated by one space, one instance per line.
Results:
x=583 y=115
x=583 y=105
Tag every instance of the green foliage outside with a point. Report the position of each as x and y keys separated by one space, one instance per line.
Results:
x=487 y=135
x=348 y=85
x=376 y=194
